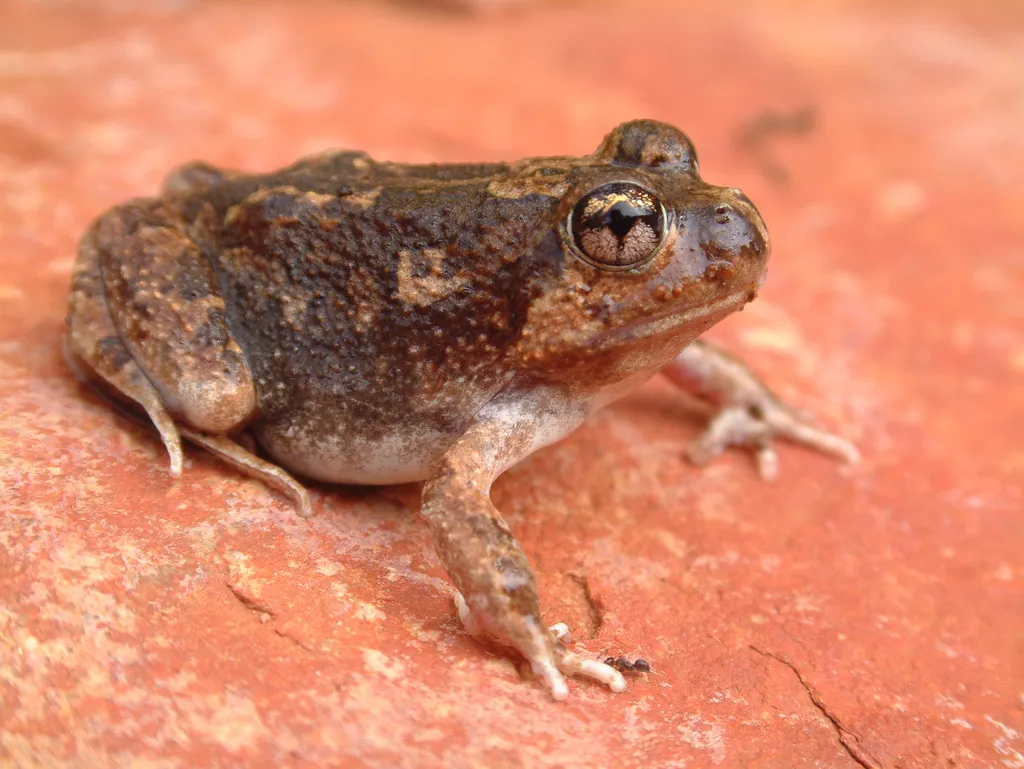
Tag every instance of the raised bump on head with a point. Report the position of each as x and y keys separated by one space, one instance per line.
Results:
x=650 y=144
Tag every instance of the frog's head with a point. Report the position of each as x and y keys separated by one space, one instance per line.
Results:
x=647 y=257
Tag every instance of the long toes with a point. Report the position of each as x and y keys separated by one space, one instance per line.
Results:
x=552 y=677
x=836 y=446
x=574 y=664
x=827 y=443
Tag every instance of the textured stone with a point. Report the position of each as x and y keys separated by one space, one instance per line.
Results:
x=870 y=615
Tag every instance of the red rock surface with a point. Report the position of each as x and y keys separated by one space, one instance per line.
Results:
x=840 y=616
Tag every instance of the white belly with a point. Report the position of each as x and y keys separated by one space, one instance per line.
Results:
x=324 y=447
x=403 y=455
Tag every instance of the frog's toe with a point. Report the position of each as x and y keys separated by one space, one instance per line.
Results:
x=572 y=664
x=560 y=632
x=248 y=463
x=732 y=426
x=551 y=664
x=799 y=431
x=757 y=428
x=551 y=677
x=542 y=662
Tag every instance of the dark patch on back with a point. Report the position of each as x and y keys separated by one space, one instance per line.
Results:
x=319 y=309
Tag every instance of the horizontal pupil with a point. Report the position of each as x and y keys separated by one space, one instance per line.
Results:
x=620 y=223
x=620 y=218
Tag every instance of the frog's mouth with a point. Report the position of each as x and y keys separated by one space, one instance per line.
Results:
x=698 y=318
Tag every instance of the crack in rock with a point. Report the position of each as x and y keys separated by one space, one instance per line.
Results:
x=846 y=738
x=289 y=637
x=250 y=602
x=594 y=611
x=265 y=613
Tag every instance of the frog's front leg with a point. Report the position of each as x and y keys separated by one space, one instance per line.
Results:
x=477 y=548
x=749 y=413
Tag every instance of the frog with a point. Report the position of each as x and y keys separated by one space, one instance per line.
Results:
x=356 y=321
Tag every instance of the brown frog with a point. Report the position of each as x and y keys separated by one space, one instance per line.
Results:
x=376 y=323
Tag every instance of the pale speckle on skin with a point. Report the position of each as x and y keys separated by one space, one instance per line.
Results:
x=294 y=306
x=361 y=201
x=517 y=187
x=426 y=289
x=319 y=199
x=258 y=197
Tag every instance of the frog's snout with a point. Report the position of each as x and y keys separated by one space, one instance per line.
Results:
x=735 y=228
x=733 y=239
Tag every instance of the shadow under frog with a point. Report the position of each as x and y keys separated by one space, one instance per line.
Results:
x=377 y=323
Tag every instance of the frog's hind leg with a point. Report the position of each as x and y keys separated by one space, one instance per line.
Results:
x=94 y=350
x=164 y=298
x=251 y=465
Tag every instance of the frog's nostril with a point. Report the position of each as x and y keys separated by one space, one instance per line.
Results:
x=734 y=231
x=734 y=225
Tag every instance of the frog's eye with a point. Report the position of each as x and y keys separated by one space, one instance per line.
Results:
x=617 y=226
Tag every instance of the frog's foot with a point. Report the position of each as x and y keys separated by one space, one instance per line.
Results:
x=757 y=426
x=553 y=667
x=749 y=413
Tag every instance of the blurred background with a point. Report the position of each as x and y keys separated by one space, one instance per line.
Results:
x=868 y=616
